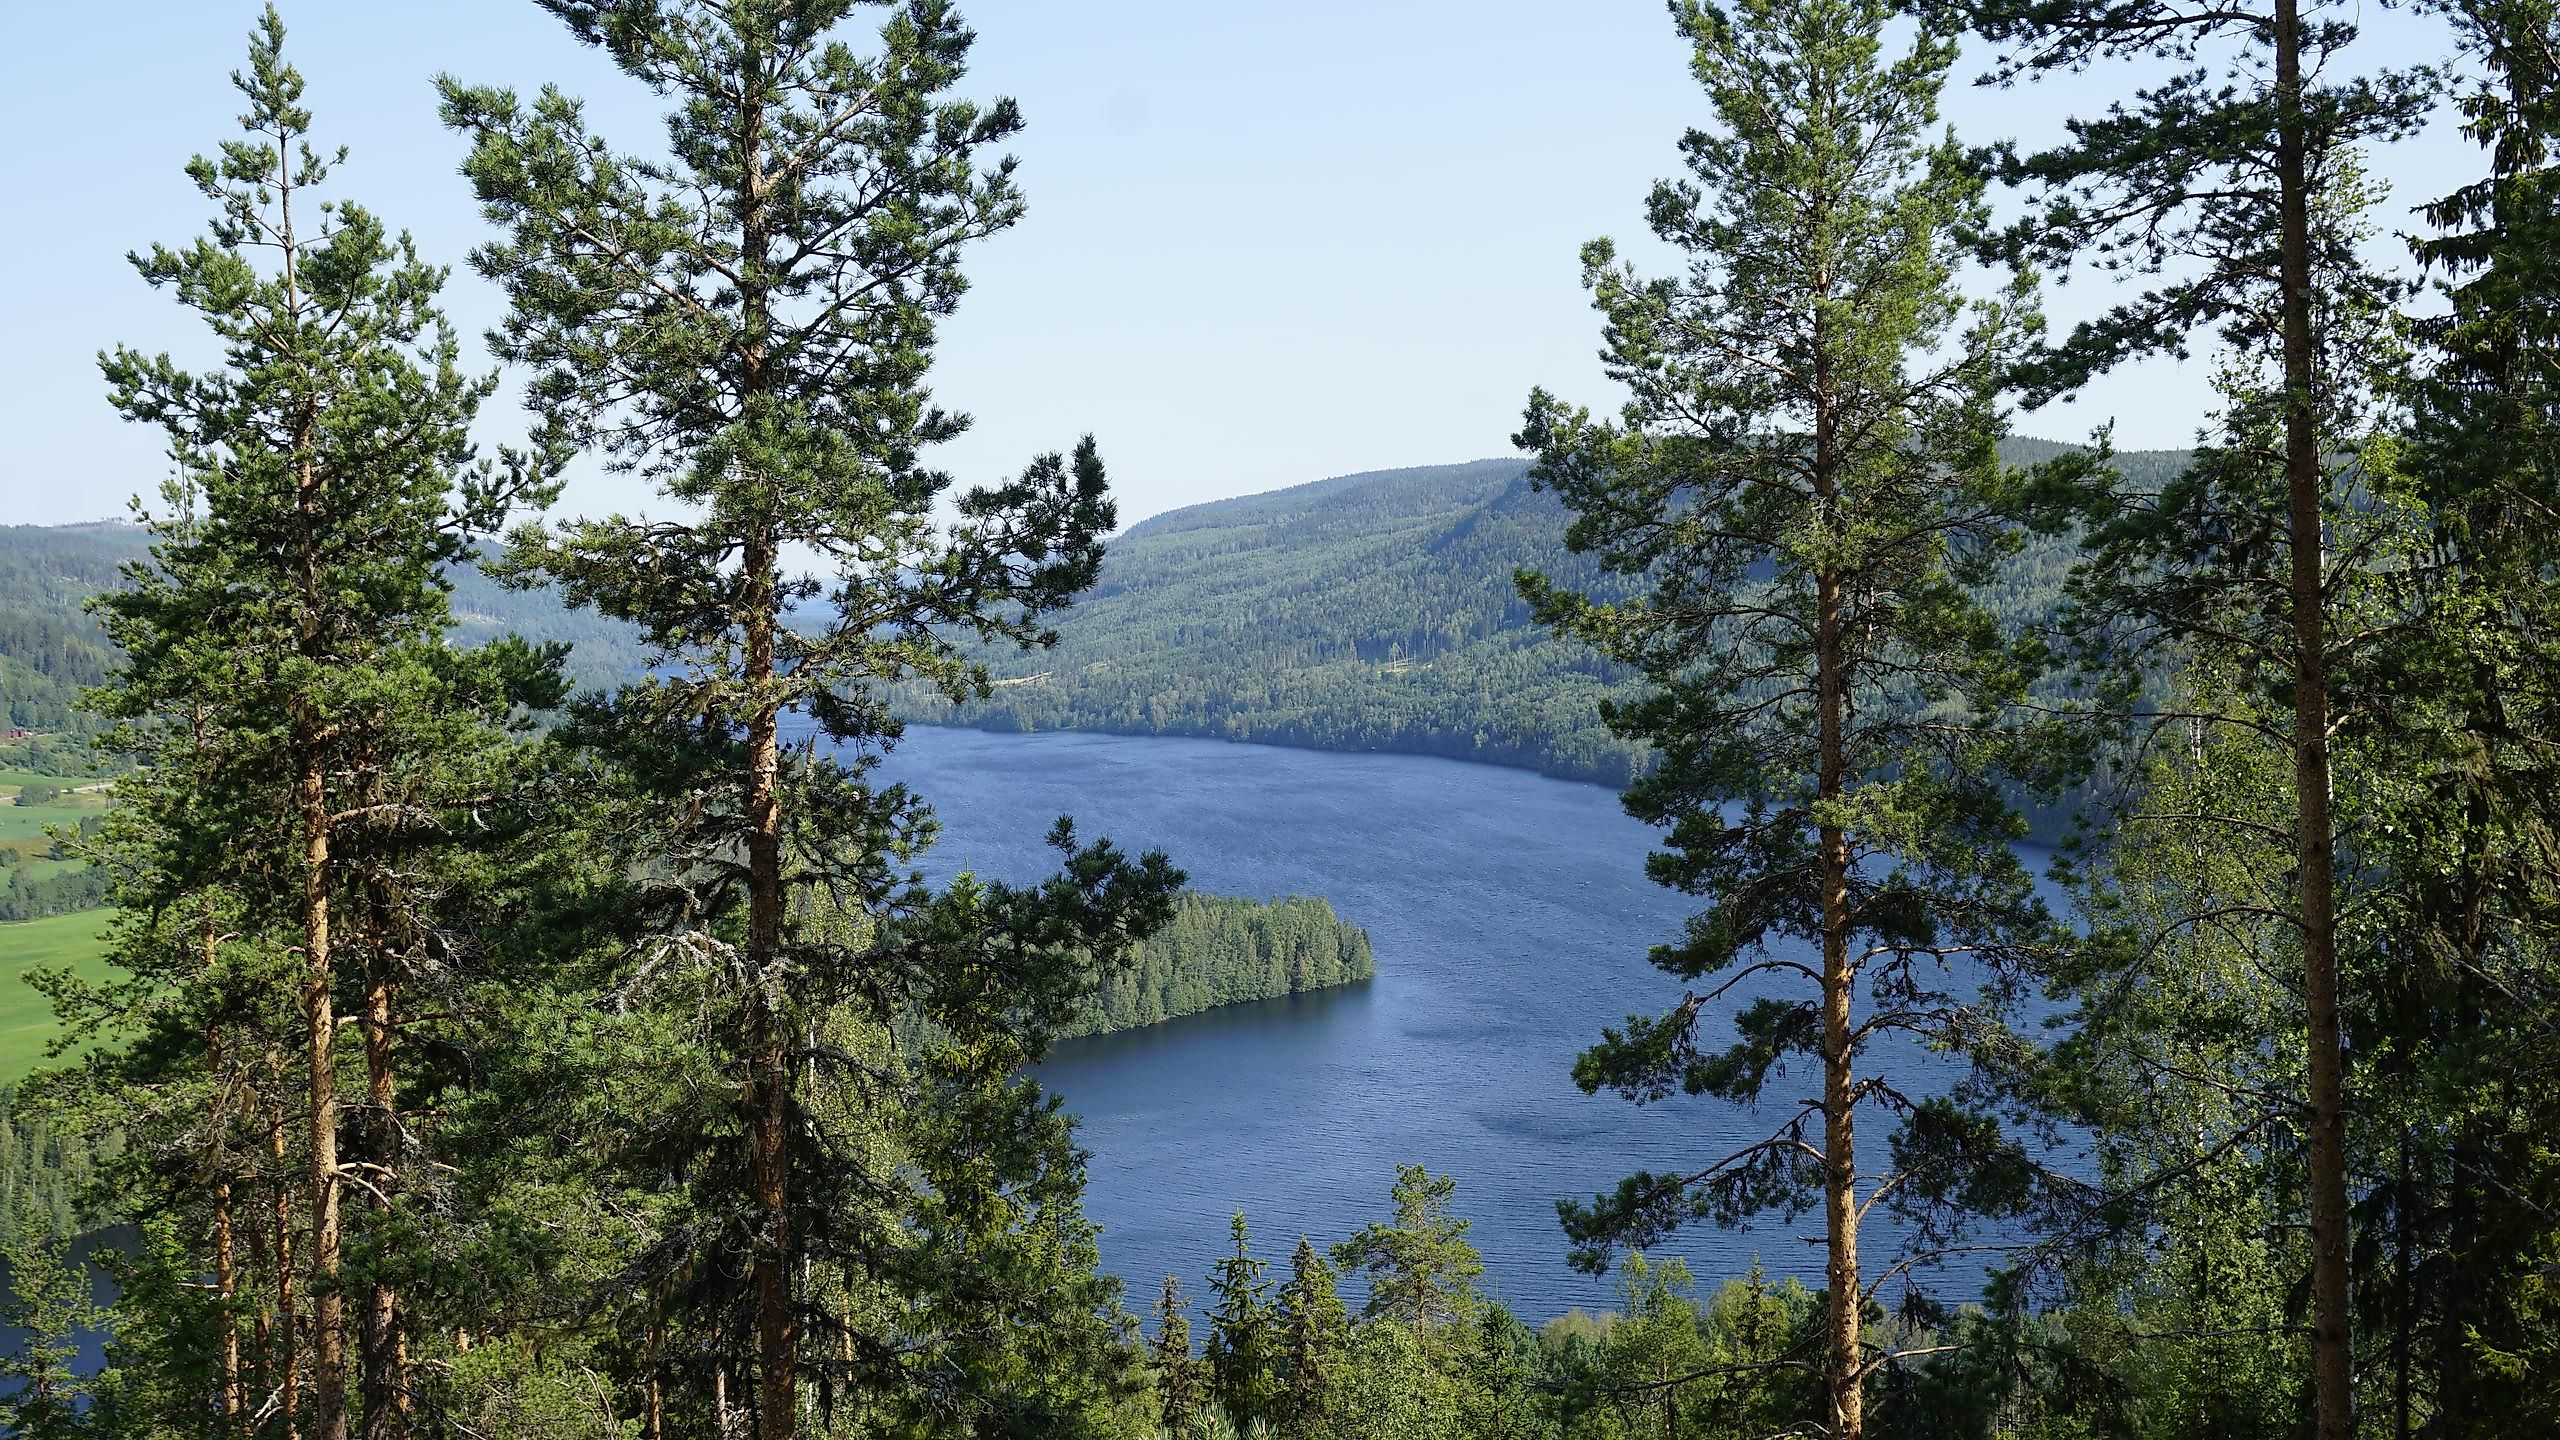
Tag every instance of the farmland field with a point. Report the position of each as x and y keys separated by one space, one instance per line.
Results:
x=26 y=1018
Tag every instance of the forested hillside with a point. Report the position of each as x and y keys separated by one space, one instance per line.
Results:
x=51 y=648
x=1367 y=612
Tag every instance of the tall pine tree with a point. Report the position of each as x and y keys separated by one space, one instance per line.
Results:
x=749 y=323
x=1805 y=482
x=2209 y=185
x=286 y=649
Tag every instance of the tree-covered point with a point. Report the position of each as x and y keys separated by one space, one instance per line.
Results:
x=1371 y=612
x=1223 y=950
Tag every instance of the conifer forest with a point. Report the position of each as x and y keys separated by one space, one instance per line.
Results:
x=480 y=973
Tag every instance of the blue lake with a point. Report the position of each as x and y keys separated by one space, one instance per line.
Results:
x=1510 y=916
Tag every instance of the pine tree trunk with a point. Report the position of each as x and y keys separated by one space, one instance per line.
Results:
x=385 y=1387
x=1839 y=1095
x=226 y=1282
x=225 y=1289
x=255 y=1365
x=2333 y=1374
x=777 y=1338
x=653 y=1389
x=777 y=1328
x=328 y=1306
x=288 y=1323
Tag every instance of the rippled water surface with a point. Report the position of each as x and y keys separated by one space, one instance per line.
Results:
x=1510 y=916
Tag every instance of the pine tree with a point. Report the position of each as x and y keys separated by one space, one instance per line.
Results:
x=1239 y=1351
x=2460 y=1228
x=2210 y=184
x=1805 y=481
x=749 y=324
x=296 y=624
x=1420 y=1268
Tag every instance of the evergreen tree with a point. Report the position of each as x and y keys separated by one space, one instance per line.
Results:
x=1177 y=1373
x=284 y=651
x=1241 y=1325
x=1420 y=1268
x=1313 y=1327
x=1806 y=481
x=749 y=324
x=2209 y=183
x=2465 y=1161
x=46 y=1301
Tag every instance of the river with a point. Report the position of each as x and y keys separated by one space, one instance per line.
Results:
x=1510 y=916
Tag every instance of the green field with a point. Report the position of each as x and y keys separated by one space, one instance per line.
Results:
x=22 y=827
x=12 y=780
x=26 y=1018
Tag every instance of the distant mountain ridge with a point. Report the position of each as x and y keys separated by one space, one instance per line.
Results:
x=1372 y=611
x=51 y=648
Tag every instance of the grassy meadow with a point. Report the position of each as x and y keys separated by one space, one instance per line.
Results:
x=26 y=1018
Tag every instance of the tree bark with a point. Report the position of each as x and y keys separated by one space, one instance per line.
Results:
x=777 y=1337
x=1839 y=1093
x=2333 y=1371
x=328 y=1306
x=226 y=1278
x=385 y=1387
x=769 y=1090
x=288 y=1327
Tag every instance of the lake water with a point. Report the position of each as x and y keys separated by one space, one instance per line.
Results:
x=1510 y=916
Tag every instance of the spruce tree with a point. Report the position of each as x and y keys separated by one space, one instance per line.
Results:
x=1805 y=486
x=46 y=1302
x=748 y=323
x=1313 y=1328
x=1177 y=1372
x=294 y=626
x=1239 y=1351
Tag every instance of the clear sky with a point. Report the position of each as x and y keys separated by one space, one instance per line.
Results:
x=1269 y=241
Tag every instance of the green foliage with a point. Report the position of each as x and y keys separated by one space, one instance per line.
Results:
x=1374 y=612
x=48 y=1176
x=47 y=1301
x=53 y=572
x=1243 y=1350
x=1221 y=950
x=50 y=650
x=513 y=1387
x=749 y=322
x=1313 y=1328
x=1662 y=1367
x=1806 y=491
x=1181 y=1395
x=1420 y=1270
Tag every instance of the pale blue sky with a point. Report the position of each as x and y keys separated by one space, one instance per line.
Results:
x=1268 y=242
